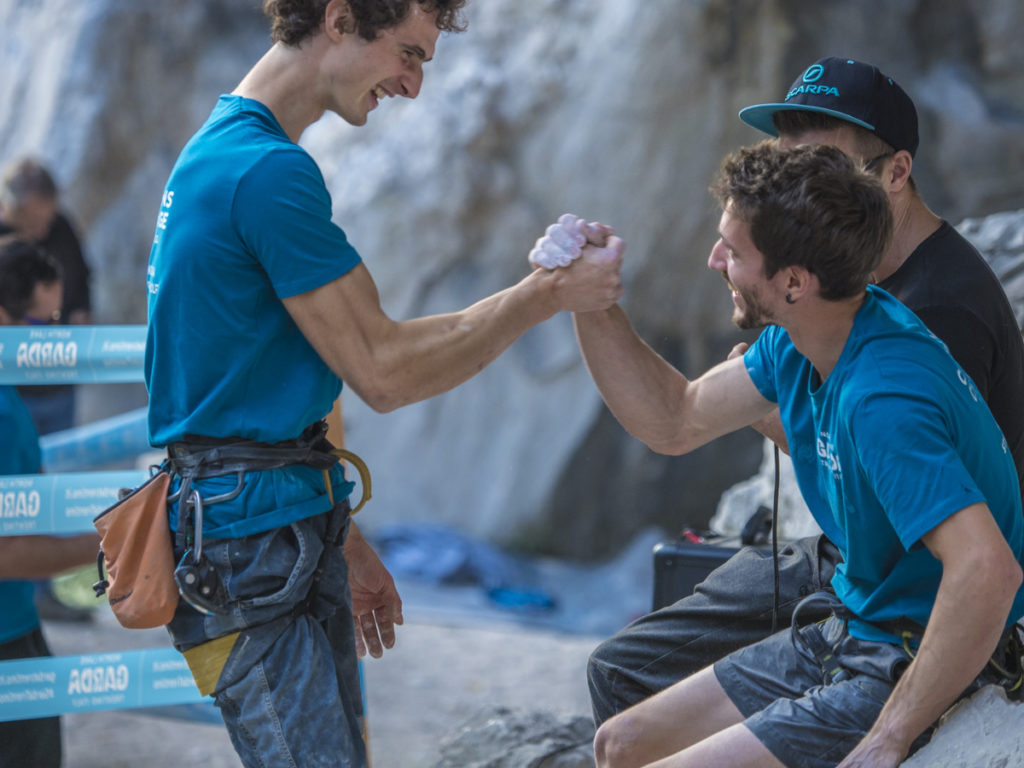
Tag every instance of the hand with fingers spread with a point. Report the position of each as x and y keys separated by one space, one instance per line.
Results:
x=376 y=605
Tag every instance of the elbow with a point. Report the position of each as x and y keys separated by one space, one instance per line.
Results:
x=672 y=444
x=380 y=400
x=1015 y=576
x=379 y=393
x=668 y=447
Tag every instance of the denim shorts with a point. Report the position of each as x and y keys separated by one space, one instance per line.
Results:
x=804 y=718
x=289 y=689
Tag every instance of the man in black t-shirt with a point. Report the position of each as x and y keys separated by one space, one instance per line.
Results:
x=932 y=269
x=29 y=209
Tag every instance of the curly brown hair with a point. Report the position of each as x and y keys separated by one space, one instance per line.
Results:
x=810 y=206
x=294 y=21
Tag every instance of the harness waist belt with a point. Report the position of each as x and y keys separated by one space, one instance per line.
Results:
x=212 y=457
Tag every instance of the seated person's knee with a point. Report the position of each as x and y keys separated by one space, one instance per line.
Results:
x=612 y=743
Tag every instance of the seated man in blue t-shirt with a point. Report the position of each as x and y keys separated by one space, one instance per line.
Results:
x=30 y=286
x=921 y=492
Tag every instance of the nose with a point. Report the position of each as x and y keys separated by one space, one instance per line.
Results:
x=716 y=259
x=411 y=82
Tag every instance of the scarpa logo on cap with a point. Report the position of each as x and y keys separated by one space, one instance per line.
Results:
x=811 y=76
x=813 y=73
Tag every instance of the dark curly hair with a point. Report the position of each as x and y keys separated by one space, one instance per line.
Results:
x=294 y=21
x=810 y=206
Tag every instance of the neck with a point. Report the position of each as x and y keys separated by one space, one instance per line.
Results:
x=819 y=330
x=913 y=223
x=281 y=82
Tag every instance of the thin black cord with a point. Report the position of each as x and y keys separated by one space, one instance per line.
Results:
x=775 y=545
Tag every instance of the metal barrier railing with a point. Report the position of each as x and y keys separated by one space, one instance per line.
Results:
x=65 y=503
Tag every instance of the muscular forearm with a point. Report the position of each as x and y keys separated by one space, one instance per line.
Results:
x=426 y=356
x=389 y=364
x=641 y=389
x=968 y=618
x=654 y=401
x=37 y=557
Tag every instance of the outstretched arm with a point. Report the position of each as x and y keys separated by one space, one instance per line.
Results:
x=38 y=557
x=389 y=363
x=653 y=400
x=980 y=577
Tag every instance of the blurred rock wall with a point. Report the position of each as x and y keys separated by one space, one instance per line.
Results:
x=615 y=110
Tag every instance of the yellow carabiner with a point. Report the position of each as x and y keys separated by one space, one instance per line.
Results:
x=364 y=478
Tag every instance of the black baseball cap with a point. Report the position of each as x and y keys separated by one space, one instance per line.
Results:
x=850 y=90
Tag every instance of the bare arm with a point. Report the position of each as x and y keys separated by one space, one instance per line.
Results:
x=654 y=401
x=37 y=557
x=771 y=425
x=389 y=363
x=980 y=577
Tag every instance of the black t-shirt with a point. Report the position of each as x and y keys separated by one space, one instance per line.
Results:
x=62 y=242
x=947 y=284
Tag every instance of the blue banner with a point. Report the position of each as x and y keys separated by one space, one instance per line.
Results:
x=69 y=354
x=44 y=687
x=59 y=503
x=91 y=445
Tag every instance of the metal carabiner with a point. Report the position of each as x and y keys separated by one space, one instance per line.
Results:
x=197 y=524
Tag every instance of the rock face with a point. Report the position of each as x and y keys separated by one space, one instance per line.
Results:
x=618 y=111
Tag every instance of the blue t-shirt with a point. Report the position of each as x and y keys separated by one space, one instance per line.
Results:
x=19 y=455
x=891 y=444
x=245 y=222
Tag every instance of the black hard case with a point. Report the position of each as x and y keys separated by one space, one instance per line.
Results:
x=680 y=565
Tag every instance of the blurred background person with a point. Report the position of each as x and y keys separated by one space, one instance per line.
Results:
x=30 y=286
x=30 y=209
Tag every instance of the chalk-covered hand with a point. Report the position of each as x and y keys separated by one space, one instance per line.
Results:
x=563 y=242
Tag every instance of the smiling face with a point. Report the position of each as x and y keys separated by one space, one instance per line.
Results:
x=742 y=267
x=360 y=74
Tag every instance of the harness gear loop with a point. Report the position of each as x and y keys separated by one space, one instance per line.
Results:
x=814 y=642
x=364 y=478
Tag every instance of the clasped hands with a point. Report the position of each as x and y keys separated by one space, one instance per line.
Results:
x=588 y=258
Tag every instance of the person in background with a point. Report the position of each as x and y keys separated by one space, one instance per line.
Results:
x=30 y=210
x=30 y=287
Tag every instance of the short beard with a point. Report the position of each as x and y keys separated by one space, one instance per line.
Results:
x=754 y=315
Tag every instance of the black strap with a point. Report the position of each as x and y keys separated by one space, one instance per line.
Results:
x=200 y=457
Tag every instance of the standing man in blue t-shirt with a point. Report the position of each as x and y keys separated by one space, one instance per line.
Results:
x=258 y=309
x=30 y=286
x=921 y=489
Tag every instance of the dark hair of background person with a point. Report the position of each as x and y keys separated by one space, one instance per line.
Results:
x=809 y=206
x=23 y=266
x=294 y=21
